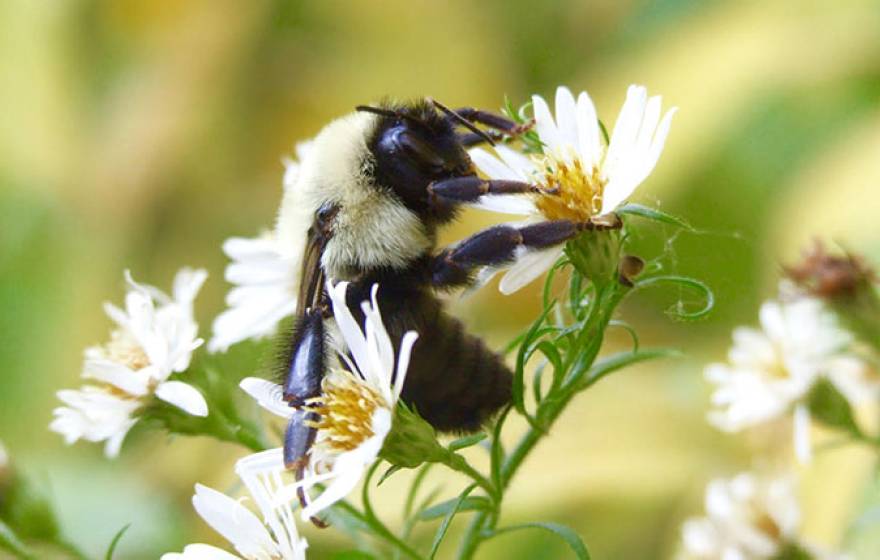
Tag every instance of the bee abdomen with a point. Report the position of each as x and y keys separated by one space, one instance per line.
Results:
x=455 y=382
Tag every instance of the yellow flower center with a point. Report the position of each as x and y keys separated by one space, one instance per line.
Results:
x=570 y=191
x=345 y=411
x=124 y=349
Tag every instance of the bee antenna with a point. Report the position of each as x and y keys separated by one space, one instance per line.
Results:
x=463 y=121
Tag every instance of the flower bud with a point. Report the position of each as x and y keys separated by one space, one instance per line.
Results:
x=596 y=255
x=411 y=441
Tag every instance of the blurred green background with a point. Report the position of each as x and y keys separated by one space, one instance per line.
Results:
x=141 y=134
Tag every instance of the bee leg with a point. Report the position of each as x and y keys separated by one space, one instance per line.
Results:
x=497 y=122
x=470 y=188
x=306 y=368
x=497 y=246
x=298 y=439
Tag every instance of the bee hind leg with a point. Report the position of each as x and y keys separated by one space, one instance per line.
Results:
x=298 y=440
x=497 y=246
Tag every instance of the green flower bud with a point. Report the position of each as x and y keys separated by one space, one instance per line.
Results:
x=411 y=441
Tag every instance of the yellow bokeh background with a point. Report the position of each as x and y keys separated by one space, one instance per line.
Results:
x=139 y=135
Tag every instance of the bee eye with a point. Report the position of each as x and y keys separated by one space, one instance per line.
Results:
x=421 y=150
x=325 y=214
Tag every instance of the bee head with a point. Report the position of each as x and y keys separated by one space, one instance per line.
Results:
x=414 y=145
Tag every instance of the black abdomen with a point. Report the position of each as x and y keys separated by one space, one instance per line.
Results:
x=454 y=381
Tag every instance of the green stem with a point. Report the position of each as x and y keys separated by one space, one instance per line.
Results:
x=458 y=463
x=588 y=341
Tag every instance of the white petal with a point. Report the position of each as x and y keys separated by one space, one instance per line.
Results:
x=132 y=382
x=200 y=552
x=268 y=395
x=589 y=141
x=527 y=268
x=546 y=128
x=658 y=142
x=187 y=284
x=406 y=346
x=525 y=168
x=234 y=521
x=518 y=205
x=566 y=121
x=351 y=331
x=183 y=396
x=492 y=167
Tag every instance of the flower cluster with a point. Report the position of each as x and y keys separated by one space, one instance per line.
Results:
x=154 y=338
x=771 y=371
x=748 y=518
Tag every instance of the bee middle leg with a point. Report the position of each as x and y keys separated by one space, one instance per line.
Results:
x=497 y=246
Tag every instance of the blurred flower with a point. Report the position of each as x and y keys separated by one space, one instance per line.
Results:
x=264 y=291
x=579 y=178
x=264 y=278
x=748 y=518
x=825 y=275
x=771 y=371
x=155 y=338
x=274 y=538
x=356 y=408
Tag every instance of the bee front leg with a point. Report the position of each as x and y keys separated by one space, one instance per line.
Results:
x=501 y=126
x=497 y=246
x=470 y=188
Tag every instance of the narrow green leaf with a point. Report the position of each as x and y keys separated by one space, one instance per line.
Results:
x=387 y=474
x=565 y=533
x=447 y=520
x=471 y=503
x=678 y=311
x=522 y=357
x=629 y=329
x=115 y=542
x=10 y=542
x=623 y=359
x=467 y=441
x=641 y=211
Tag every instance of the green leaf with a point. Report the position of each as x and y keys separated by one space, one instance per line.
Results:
x=10 y=542
x=472 y=503
x=678 y=311
x=623 y=359
x=387 y=474
x=444 y=525
x=629 y=329
x=641 y=211
x=565 y=533
x=831 y=408
x=522 y=357
x=467 y=441
x=115 y=542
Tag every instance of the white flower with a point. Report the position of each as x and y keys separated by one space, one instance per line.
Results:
x=265 y=282
x=770 y=371
x=155 y=337
x=356 y=407
x=580 y=178
x=747 y=518
x=264 y=276
x=273 y=538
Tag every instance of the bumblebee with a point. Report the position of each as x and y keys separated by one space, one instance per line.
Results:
x=365 y=208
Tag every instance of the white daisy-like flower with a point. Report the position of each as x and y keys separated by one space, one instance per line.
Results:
x=356 y=407
x=155 y=337
x=580 y=178
x=264 y=276
x=275 y=537
x=747 y=518
x=770 y=371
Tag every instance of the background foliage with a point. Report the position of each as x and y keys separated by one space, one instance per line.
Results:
x=141 y=134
